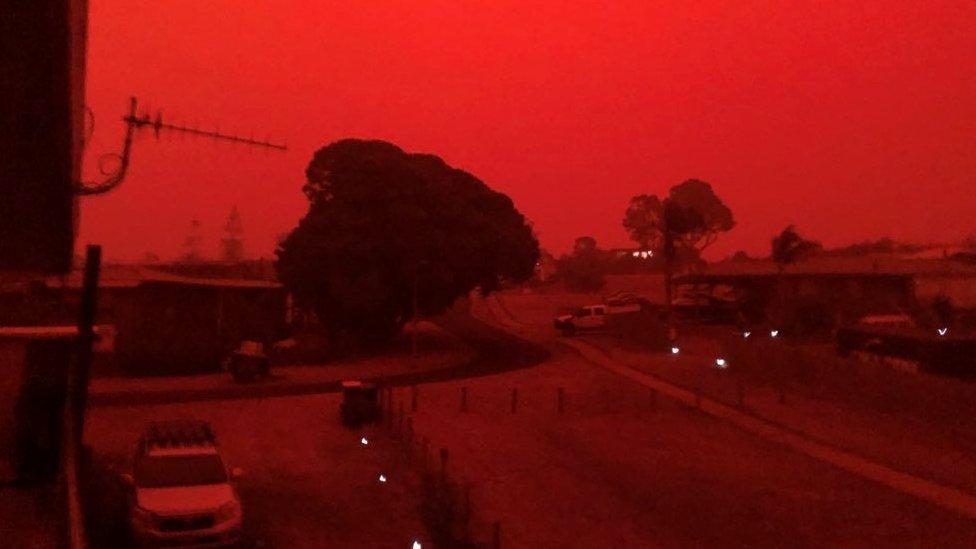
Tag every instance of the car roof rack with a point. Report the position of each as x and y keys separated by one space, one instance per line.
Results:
x=178 y=433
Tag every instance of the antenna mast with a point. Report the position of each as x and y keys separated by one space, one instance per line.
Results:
x=135 y=122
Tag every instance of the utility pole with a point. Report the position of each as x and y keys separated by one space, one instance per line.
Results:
x=416 y=302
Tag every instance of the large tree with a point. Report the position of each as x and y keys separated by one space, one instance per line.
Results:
x=584 y=269
x=389 y=232
x=689 y=218
x=788 y=247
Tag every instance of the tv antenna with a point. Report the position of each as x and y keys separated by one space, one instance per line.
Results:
x=133 y=122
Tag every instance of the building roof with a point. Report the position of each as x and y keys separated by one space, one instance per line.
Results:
x=865 y=266
x=131 y=276
x=41 y=332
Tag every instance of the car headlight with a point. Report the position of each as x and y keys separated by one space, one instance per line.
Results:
x=228 y=511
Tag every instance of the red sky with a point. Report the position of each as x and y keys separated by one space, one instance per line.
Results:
x=852 y=121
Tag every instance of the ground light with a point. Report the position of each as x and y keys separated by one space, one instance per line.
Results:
x=416 y=544
x=746 y=334
x=720 y=362
x=773 y=333
x=382 y=477
x=943 y=331
x=675 y=350
x=364 y=441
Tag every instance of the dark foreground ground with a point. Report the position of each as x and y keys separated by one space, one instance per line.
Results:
x=308 y=482
x=618 y=467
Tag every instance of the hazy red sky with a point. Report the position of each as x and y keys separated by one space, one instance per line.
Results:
x=852 y=121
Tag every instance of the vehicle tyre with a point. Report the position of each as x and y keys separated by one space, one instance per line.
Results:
x=569 y=330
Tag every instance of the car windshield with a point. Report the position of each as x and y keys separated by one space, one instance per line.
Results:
x=163 y=471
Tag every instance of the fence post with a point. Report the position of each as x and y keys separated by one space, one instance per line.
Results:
x=409 y=440
x=413 y=398
x=514 y=400
x=560 y=400
x=464 y=399
x=467 y=510
x=443 y=463
x=399 y=425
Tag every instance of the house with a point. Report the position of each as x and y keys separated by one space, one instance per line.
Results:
x=185 y=325
x=847 y=287
x=155 y=321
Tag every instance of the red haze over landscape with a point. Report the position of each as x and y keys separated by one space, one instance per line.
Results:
x=853 y=120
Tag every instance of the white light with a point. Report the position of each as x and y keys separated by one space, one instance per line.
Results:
x=416 y=544
x=382 y=478
x=675 y=350
x=636 y=254
x=363 y=441
x=943 y=331
x=644 y=255
x=773 y=333
x=746 y=334
x=720 y=362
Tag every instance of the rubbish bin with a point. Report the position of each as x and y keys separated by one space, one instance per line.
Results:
x=360 y=403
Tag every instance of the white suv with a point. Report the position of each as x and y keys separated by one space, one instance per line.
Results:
x=181 y=492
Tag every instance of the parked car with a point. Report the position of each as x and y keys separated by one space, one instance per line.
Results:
x=181 y=493
x=594 y=317
x=249 y=362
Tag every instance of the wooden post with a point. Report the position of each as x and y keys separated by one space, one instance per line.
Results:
x=443 y=463
x=514 y=400
x=464 y=399
x=79 y=371
x=467 y=510
x=560 y=400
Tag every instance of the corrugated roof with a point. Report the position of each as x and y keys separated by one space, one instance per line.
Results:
x=42 y=332
x=827 y=265
x=131 y=276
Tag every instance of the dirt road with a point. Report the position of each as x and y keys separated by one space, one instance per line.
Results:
x=619 y=468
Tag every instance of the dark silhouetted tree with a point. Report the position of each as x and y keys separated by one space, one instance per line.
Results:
x=788 y=247
x=688 y=220
x=382 y=223
x=584 y=269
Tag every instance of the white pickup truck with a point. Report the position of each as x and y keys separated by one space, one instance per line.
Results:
x=181 y=493
x=594 y=317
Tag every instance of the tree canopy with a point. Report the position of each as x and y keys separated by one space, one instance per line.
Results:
x=383 y=224
x=691 y=215
x=788 y=247
x=585 y=268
